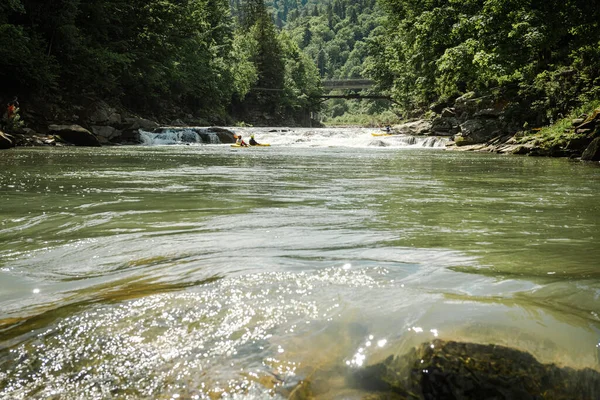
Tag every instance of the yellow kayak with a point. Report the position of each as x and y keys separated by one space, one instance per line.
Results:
x=255 y=145
x=382 y=134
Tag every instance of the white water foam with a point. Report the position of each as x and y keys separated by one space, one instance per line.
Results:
x=175 y=135
x=296 y=137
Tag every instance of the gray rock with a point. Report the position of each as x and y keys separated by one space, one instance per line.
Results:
x=178 y=122
x=478 y=131
x=100 y=113
x=448 y=112
x=134 y=123
x=488 y=113
x=224 y=135
x=419 y=127
x=445 y=126
x=592 y=152
x=106 y=132
x=74 y=134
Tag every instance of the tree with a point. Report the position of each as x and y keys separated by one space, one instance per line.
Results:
x=523 y=51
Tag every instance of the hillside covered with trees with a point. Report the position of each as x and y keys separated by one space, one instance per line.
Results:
x=164 y=59
x=540 y=58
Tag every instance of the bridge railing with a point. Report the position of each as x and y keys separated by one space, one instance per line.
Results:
x=348 y=83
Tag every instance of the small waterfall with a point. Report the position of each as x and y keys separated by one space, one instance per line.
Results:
x=187 y=135
x=288 y=137
x=434 y=141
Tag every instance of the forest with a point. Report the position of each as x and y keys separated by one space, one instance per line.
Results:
x=249 y=61
x=541 y=58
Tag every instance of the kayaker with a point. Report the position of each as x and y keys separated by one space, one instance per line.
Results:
x=240 y=141
x=253 y=142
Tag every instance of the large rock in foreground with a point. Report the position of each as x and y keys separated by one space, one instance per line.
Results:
x=74 y=134
x=453 y=370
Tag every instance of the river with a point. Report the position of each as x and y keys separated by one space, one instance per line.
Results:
x=192 y=270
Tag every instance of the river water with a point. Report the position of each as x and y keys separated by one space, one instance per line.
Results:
x=196 y=271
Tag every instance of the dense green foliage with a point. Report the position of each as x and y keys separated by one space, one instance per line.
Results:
x=163 y=57
x=149 y=54
x=264 y=61
x=335 y=35
x=540 y=57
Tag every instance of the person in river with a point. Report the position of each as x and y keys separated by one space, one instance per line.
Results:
x=11 y=110
x=253 y=142
x=240 y=141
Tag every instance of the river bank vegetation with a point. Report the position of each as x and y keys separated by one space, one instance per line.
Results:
x=162 y=59
x=529 y=63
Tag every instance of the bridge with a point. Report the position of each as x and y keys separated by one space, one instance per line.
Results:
x=344 y=84
x=348 y=84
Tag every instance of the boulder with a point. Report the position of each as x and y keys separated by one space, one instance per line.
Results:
x=224 y=135
x=478 y=131
x=100 y=113
x=417 y=128
x=135 y=123
x=74 y=134
x=178 y=122
x=591 y=121
x=521 y=149
x=445 y=126
x=6 y=141
x=592 y=152
x=105 y=133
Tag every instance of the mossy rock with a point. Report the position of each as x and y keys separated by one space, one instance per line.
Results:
x=462 y=141
x=453 y=370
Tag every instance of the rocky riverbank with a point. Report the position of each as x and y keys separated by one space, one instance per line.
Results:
x=478 y=124
x=95 y=124
x=470 y=124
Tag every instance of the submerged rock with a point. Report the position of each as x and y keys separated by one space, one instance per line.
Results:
x=453 y=370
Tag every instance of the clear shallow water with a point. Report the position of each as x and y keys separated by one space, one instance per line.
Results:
x=146 y=271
